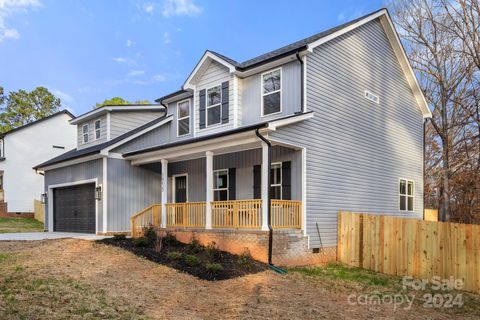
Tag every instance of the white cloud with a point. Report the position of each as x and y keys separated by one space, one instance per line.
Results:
x=124 y=60
x=148 y=7
x=9 y=8
x=120 y=59
x=166 y=38
x=136 y=73
x=65 y=97
x=129 y=43
x=181 y=8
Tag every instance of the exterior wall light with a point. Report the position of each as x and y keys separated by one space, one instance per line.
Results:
x=98 y=193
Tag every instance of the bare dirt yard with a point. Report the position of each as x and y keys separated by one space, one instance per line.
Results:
x=78 y=279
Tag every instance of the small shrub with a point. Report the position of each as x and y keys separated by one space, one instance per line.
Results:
x=174 y=255
x=212 y=251
x=191 y=260
x=119 y=237
x=140 y=242
x=169 y=239
x=214 y=268
x=245 y=260
x=194 y=246
x=150 y=234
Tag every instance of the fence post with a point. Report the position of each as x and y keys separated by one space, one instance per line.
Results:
x=360 y=242
x=339 y=235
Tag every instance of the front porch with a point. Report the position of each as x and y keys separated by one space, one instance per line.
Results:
x=235 y=214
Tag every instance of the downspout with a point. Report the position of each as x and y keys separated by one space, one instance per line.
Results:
x=269 y=203
x=302 y=84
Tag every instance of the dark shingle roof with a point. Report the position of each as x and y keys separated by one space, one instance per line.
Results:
x=78 y=153
x=38 y=121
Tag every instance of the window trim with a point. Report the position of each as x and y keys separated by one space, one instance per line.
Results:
x=406 y=194
x=222 y=189
x=263 y=94
x=2 y=148
x=281 y=178
x=208 y=107
x=189 y=117
x=85 y=133
x=99 y=129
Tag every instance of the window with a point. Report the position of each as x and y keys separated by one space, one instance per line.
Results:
x=97 y=129
x=2 y=148
x=276 y=181
x=271 y=92
x=85 y=133
x=407 y=189
x=220 y=185
x=183 y=117
x=214 y=105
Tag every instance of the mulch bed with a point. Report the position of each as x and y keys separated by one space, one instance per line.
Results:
x=233 y=265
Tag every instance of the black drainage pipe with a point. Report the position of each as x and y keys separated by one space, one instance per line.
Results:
x=269 y=203
x=302 y=84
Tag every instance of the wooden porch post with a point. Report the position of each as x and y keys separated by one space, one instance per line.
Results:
x=209 y=189
x=164 y=192
x=265 y=186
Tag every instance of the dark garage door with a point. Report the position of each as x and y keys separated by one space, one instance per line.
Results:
x=74 y=208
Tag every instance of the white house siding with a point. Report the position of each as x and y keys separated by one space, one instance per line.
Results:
x=130 y=189
x=91 y=132
x=77 y=172
x=356 y=149
x=214 y=75
x=124 y=121
x=251 y=94
x=155 y=137
x=26 y=148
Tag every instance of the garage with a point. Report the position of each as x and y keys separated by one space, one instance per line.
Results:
x=74 y=208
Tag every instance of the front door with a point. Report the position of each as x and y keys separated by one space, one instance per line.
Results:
x=180 y=189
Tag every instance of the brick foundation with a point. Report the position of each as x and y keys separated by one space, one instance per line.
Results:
x=16 y=215
x=290 y=247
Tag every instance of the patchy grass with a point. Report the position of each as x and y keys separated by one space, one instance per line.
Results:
x=26 y=295
x=15 y=225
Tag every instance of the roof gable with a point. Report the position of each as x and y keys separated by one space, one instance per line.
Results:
x=207 y=58
x=68 y=113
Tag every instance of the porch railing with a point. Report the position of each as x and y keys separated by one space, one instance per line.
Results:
x=189 y=214
x=245 y=214
x=150 y=216
x=286 y=214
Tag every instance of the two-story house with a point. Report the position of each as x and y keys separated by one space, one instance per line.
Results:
x=283 y=141
x=21 y=149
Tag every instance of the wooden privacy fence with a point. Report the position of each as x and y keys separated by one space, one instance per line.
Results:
x=38 y=210
x=150 y=216
x=189 y=214
x=430 y=214
x=410 y=247
x=237 y=214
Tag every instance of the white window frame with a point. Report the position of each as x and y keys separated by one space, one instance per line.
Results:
x=281 y=178
x=174 y=187
x=221 y=189
x=85 y=133
x=406 y=194
x=2 y=148
x=208 y=107
x=266 y=94
x=189 y=118
x=99 y=129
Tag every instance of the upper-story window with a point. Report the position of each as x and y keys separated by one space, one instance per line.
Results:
x=407 y=189
x=214 y=105
x=183 y=117
x=85 y=133
x=272 y=92
x=97 y=129
x=2 y=149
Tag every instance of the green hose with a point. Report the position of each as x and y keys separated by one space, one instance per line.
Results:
x=277 y=269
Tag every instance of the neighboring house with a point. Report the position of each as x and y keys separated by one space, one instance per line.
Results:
x=21 y=149
x=342 y=110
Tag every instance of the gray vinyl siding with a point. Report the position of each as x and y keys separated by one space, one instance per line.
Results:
x=91 y=132
x=77 y=172
x=122 y=122
x=215 y=75
x=243 y=161
x=356 y=149
x=252 y=94
x=130 y=189
x=155 y=137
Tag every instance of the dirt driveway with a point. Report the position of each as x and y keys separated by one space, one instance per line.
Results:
x=85 y=280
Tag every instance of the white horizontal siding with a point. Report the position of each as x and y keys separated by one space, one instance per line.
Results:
x=122 y=122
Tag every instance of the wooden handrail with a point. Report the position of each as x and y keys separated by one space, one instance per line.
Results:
x=187 y=214
x=237 y=214
x=286 y=214
x=150 y=216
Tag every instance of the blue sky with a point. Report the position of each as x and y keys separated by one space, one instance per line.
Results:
x=90 y=50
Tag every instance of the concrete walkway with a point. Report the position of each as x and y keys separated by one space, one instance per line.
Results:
x=35 y=236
